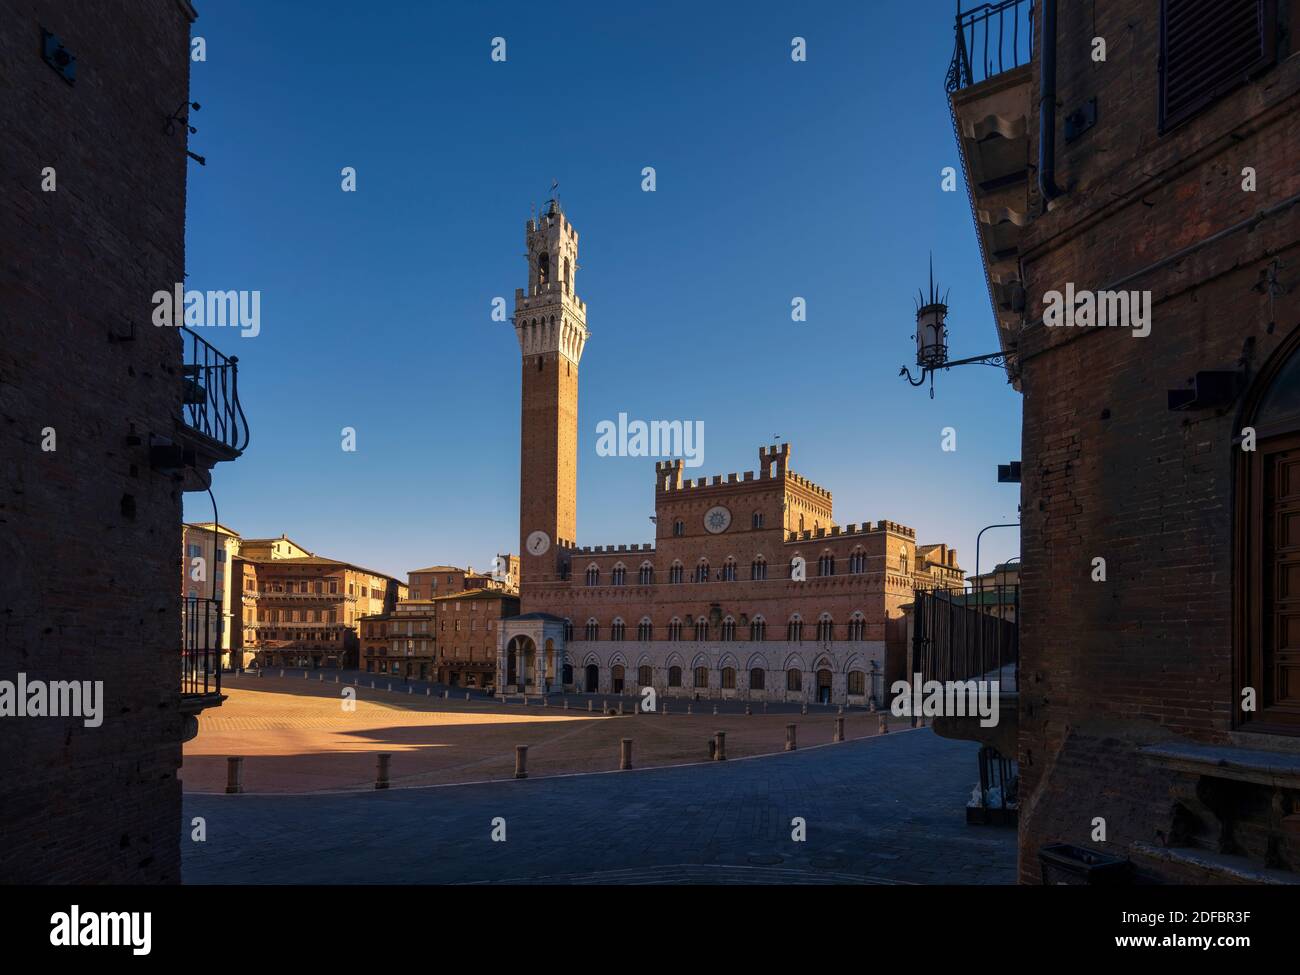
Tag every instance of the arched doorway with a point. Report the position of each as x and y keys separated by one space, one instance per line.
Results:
x=593 y=679
x=616 y=678
x=824 y=686
x=1267 y=581
x=568 y=675
x=521 y=654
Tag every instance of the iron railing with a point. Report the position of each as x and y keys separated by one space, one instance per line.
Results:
x=201 y=632
x=969 y=635
x=991 y=38
x=210 y=403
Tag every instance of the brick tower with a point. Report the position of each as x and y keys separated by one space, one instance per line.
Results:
x=551 y=324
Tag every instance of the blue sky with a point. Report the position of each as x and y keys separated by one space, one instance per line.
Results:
x=775 y=179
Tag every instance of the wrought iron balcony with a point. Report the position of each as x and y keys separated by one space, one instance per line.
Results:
x=991 y=39
x=201 y=630
x=210 y=404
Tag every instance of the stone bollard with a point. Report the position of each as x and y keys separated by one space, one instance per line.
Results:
x=428 y=691
x=804 y=708
x=410 y=689
x=884 y=725
x=620 y=707
x=715 y=709
x=446 y=695
x=789 y=737
x=839 y=730
x=381 y=770
x=589 y=705
x=306 y=674
x=281 y=671
x=721 y=754
x=664 y=709
x=765 y=707
x=688 y=707
x=234 y=775
x=467 y=695
x=566 y=704
x=604 y=706
x=625 y=754
x=713 y=748
x=543 y=700
x=372 y=685
x=749 y=711
x=841 y=710
x=321 y=677
x=521 y=761
x=356 y=681
x=390 y=686
x=337 y=680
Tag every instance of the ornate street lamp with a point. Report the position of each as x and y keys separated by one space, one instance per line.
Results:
x=932 y=339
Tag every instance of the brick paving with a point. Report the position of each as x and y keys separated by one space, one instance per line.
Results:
x=878 y=810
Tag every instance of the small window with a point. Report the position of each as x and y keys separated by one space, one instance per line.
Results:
x=674 y=677
x=757 y=678
x=793 y=680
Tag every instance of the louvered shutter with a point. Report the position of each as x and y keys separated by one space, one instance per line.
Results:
x=1209 y=47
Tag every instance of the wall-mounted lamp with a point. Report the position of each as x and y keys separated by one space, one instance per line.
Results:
x=932 y=339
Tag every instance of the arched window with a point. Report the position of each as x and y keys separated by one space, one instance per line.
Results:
x=701 y=628
x=675 y=572
x=593 y=575
x=702 y=571
x=857 y=626
x=593 y=630
x=826 y=565
x=757 y=519
x=902 y=561
x=645 y=675
x=701 y=676
x=857 y=682
x=758 y=628
x=679 y=527
x=729 y=570
x=1267 y=583
x=568 y=631
x=568 y=277
x=645 y=629
x=646 y=576
x=543 y=269
x=674 y=677
x=616 y=629
x=728 y=678
x=758 y=568
x=620 y=574
x=757 y=678
x=857 y=562
x=794 y=629
x=674 y=629
x=794 y=679
x=825 y=627
x=729 y=629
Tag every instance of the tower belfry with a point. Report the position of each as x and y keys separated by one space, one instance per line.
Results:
x=551 y=325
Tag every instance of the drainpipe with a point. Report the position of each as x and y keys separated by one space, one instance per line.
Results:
x=1047 y=109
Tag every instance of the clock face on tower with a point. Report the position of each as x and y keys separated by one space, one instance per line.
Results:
x=538 y=542
x=717 y=519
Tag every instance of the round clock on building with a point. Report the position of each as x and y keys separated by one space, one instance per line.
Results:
x=717 y=520
x=538 y=542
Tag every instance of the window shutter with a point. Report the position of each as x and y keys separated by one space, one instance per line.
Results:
x=1208 y=48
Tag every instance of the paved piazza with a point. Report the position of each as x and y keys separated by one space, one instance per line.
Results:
x=887 y=809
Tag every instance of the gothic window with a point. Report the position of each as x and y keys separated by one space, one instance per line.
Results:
x=758 y=628
x=702 y=571
x=728 y=678
x=675 y=572
x=825 y=627
x=794 y=629
x=543 y=269
x=646 y=576
x=593 y=630
x=679 y=527
x=568 y=630
x=826 y=565
x=645 y=675
x=645 y=629
x=857 y=627
x=729 y=570
x=675 y=629
x=728 y=629
x=701 y=629
x=701 y=676
x=857 y=682
x=568 y=277
x=674 y=677
x=793 y=679
x=757 y=519
x=616 y=629
x=620 y=574
x=758 y=568
x=857 y=562
x=593 y=575
x=757 y=679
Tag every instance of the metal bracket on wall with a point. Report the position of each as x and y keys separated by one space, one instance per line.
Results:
x=1211 y=389
x=58 y=57
x=1081 y=120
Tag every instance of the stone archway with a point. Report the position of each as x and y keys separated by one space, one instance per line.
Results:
x=521 y=661
x=592 y=674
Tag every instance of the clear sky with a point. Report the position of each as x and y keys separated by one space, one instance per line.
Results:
x=775 y=180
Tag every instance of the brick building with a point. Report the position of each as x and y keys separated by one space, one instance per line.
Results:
x=714 y=606
x=306 y=610
x=107 y=420
x=215 y=548
x=1162 y=694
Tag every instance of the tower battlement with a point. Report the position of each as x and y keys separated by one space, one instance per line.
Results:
x=772 y=465
x=839 y=531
